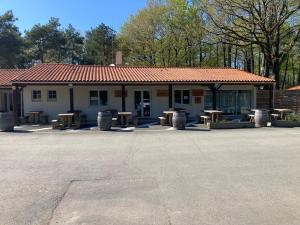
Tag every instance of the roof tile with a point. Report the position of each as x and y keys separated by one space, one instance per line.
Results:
x=6 y=75
x=60 y=73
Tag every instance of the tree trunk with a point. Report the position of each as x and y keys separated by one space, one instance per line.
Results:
x=252 y=58
x=200 y=54
x=218 y=64
x=285 y=72
x=298 y=80
x=229 y=50
x=259 y=62
x=235 y=57
x=224 y=55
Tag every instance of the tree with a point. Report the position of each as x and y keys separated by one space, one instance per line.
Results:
x=10 y=41
x=100 y=45
x=73 y=46
x=271 y=25
x=46 y=42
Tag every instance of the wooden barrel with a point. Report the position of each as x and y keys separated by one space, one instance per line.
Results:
x=104 y=120
x=7 y=121
x=261 y=117
x=179 y=120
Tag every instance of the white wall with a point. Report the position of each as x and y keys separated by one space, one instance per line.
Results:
x=48 y=107
x=81 y=99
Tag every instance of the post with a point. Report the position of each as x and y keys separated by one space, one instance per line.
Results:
x=71 y=94
x=15 y=102
x=214 y=98
x=170 y=96
x=123 y=93
x=271 y=96
x=22 y=101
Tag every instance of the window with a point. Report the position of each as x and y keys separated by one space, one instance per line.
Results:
x=186 y=97
x=98 y=98
x=36 y=95
x=103 y=97
x=182 y=97
x=52 y=96
x=94 y=98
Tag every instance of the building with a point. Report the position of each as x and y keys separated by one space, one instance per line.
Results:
x=145 y=91
x=6 y=75
x=295 y=88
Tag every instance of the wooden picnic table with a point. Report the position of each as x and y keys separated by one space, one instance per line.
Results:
x=214 y=114
x=34 y=116
x=169 y=116
x=284 y=112
x=66 y=119
x=124 y=118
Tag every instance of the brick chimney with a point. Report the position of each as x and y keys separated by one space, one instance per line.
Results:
x=119 y=58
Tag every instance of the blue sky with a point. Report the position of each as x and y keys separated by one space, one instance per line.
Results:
x=81 y=14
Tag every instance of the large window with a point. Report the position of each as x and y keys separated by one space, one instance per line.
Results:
x=98 y=98
x=36 y=96
x=52 y=96
x=182 y=97
x=230 y=102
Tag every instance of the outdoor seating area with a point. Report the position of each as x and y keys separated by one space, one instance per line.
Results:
x=69 y=120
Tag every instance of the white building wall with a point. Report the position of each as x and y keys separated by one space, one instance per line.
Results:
x=49 y=108
x=81 y=99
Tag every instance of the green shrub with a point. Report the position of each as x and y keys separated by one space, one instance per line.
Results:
x=293 y=117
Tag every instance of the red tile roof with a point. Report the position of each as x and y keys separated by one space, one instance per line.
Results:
x=65 y=73
x=6 y=75
x=296 y=88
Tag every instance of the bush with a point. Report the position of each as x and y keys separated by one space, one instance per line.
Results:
x=293 y=117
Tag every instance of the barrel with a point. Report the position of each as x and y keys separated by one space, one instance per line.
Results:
x=261 y=117
x=104 y=120
x=179 y=120
x=7 y=121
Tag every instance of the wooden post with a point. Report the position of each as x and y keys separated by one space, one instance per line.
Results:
x=170 y=96
x=15 y=103
x=271 y=96
x=71 y=94
x=214 y=98
x=22 y=101
x=123 y=93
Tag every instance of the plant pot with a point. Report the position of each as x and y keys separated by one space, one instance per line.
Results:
x=229 y=125
x=285 y=123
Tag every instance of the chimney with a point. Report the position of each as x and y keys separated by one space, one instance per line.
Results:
x=119 y=58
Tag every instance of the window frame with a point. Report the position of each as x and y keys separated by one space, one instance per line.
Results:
x=182 y=97
x=98 y=98
x=52 y=99
x=36 y=99
x=93 y=98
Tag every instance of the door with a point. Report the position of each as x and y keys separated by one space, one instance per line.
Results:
x=142 y=103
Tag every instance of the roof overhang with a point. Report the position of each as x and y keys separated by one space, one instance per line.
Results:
x=14 y=83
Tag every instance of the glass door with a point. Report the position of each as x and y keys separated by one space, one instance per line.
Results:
x=142 y=103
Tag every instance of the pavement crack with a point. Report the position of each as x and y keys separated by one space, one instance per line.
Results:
x=59 y=200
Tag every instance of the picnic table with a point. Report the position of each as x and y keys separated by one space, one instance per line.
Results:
x=214 y=114
x=124 y=118
x=66 y=119
x=169 y=116
x=284 y=112
x=34 y=116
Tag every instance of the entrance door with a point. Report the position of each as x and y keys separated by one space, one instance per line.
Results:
x=142 y=103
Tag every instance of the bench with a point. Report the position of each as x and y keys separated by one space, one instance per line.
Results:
x=274 y=116
x=55 y=124
x=162 y=120
x=205 y=119
x=252 y=117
